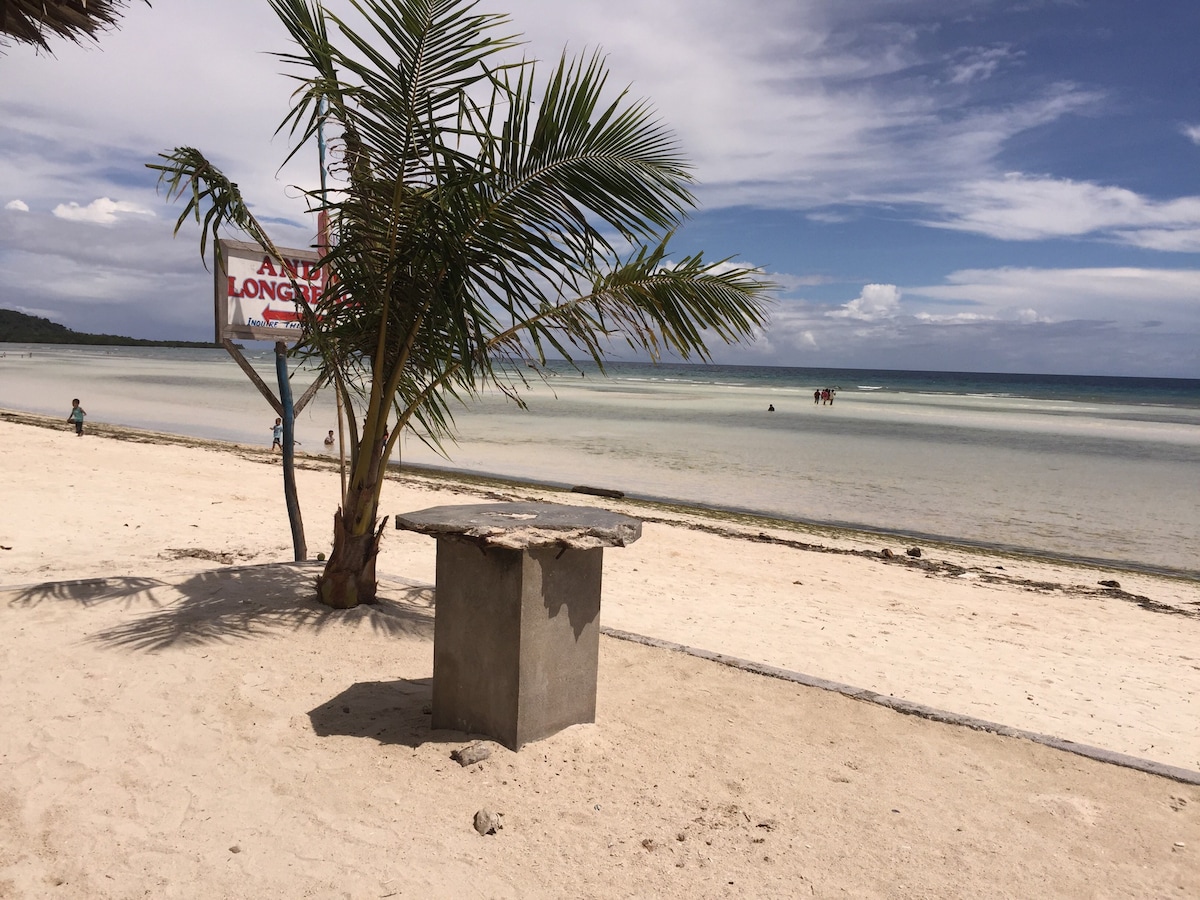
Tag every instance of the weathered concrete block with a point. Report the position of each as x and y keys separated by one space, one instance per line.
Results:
x=516 y=640
x=517 y=617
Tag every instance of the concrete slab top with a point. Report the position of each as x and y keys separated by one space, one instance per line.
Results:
x=522 y=526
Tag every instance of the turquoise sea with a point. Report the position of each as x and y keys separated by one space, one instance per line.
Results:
x=1077 y=467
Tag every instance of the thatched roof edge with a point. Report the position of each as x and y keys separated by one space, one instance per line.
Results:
x=36 y=21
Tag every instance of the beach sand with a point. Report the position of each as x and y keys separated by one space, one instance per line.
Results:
x=179 y=719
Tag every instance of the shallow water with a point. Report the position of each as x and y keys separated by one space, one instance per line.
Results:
x=1094 y=468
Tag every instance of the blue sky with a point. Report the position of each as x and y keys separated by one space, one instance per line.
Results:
x=951 y=184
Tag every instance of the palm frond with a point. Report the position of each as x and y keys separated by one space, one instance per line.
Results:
x=476 y=215
x=208 y=193
x=36 y=21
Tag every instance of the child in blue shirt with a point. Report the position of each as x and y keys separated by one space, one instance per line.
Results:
x=76 y=415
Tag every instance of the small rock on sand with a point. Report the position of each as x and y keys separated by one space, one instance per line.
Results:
x=466 y=756
x=488 y=822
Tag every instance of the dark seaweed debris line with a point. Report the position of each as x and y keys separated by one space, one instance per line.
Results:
x=938 y=568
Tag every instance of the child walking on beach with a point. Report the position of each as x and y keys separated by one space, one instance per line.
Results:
x=277 y=434
x=76 y=416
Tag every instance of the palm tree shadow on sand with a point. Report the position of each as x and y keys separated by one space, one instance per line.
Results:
x=235 y=604
x=255 y=602
x=90 y=592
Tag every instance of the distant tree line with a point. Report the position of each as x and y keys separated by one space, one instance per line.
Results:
x=19 y=328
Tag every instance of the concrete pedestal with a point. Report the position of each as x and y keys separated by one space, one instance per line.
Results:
x=517 y=614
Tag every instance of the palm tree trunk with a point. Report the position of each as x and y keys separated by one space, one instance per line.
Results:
x=349 y=576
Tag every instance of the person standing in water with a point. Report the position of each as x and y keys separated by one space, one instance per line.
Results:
x=76 y=415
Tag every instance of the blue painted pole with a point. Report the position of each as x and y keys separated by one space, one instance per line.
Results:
x=289 y=470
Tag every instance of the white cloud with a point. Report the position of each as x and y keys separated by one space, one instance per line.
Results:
x=788 y=283
x=799 y=104
x=1029 y=316
x=877 y=301
x=1020 y=207
x=954 y=318
x=1127 y=321
x=1183 y=239
x=978 y=64
x=1031 y=295
x=17 y=205
x=829 y=217
x=1192 y=133
x=101 y=211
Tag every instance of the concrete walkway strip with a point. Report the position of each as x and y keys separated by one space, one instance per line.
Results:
x=908 y=708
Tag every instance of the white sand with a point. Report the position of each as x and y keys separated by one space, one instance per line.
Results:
x=184 y=707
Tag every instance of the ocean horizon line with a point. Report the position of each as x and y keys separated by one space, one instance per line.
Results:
x=266 y=349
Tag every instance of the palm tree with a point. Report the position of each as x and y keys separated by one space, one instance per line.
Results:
x=31 y=21
x=482 y=223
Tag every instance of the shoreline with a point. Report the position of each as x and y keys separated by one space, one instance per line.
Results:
x=669 y=509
